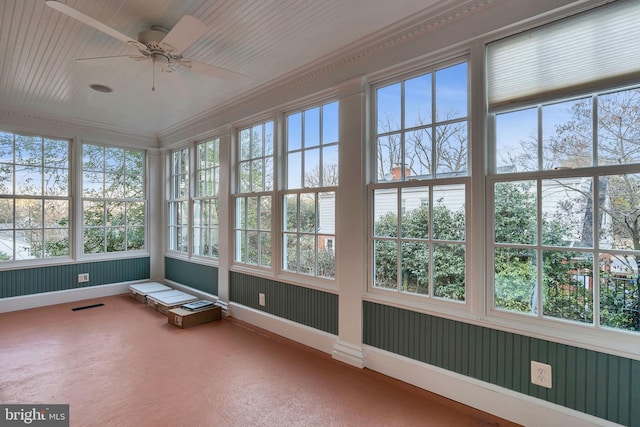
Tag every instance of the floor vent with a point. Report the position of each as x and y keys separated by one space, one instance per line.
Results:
x=86 y=307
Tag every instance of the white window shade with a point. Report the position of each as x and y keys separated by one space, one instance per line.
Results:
x=585 y=49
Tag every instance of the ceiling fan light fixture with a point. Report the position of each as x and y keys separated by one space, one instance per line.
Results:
x=101 y=88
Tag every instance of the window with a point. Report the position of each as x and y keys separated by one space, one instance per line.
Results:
x=253 y=199
x=34 y=197
x=565 y=181
x=113 y=199
x=206 y=202
x=309 y=200
x=421 y=184
x=566 y=210
x=179 y=201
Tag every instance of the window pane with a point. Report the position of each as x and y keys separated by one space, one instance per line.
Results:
x=256 y=141
x=290 y=252
x=6 y=179
x=245 y=177
x=56 y=242
x=307 y=213
x=515 y=280
x=517 y=141
x=291 y=212
x=252 y=213
x=134 y=163
x=28 y=181
x=92 y=158
x=417 y=101
x=385 y=212
x=56 y=182
x=567 y=212
x=330 y=123
x=451 y=92
x=415 y=212
x=415 y=267
x=619 y=127
x=312 y=127
x=619 y=203
x=114 y=160
x=385 y=261
x=389 y=156
x=449 y=271
x=135 y=238
x=312 y=168
x=135 y=214
x=29 y=213
x=94 y=240
x=6 y=147
x=452 y=150
x=330 y=166
x=294 y=170
x=389 y=108
x=307 y=255
x=245 y=144
x=257 y=175
x=418 y=156
x=567 y=131
x=265 y=249
x=7 y=244
x=568 y=285
x=448 y=212
x=28 y=150
x=241 y=221
x=56 y=214
x=114 y=186
x=56 y=153
x=93 y=213
x=116 y=239
x=265 y=213
x=619 y=291
x=515 y=212
x=92 y=184
x=326 y=257
x=327 y=213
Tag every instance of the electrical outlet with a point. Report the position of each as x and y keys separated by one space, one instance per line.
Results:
x=541 y=374
x=83 y=277
x=261 y=299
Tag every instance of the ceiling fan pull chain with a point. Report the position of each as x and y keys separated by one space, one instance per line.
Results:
x=153 y=73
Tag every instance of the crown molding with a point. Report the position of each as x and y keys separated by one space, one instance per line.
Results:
x=73 y=128
x=430 y=19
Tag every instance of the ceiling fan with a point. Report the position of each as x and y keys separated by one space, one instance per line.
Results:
x=157 y=44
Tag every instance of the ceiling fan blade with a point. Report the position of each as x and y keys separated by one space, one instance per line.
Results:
x=103 y=60
x=210 y=70
x=71 y=12
x=184 y=34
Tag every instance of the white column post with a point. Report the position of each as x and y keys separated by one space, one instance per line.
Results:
x=351 y=211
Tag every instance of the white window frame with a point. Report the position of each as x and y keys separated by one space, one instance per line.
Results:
x=13 y=196
x=395 y=296
x=206 y=222
x=178 y=215
x=292 y=191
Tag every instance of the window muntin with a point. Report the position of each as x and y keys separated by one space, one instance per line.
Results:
x=34 y=197
x=422 y=180
x=113 y=199
x=206 y=202
x=426 y=133
x=309 y=202
x=566 y=240
x=253 y=199
x=179 y=201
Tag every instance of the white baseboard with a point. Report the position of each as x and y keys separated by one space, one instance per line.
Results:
x=25 y=302
x=499 y=401
x=310 y=337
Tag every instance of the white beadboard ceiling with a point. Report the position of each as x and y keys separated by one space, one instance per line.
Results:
x=263 y=39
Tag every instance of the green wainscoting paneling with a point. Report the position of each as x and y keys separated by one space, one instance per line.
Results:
x=26 y=281
x=198 y=276
x=302 y=305
x=598 y=384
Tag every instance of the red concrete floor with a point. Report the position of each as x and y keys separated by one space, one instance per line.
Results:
x=122 y=364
